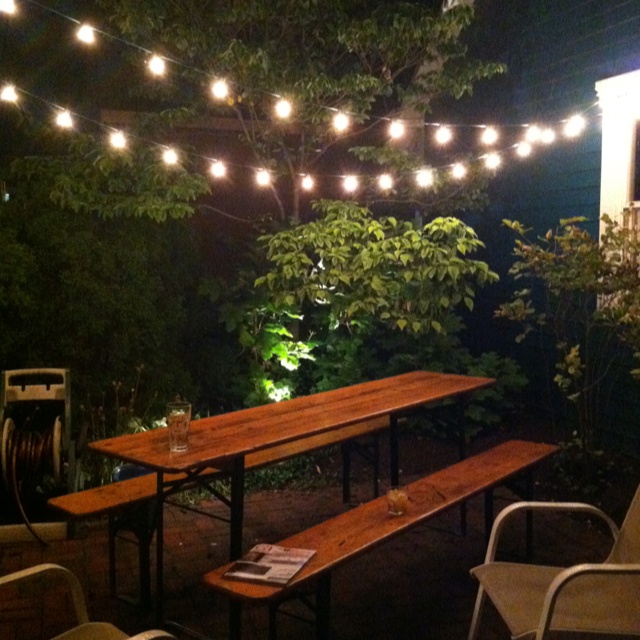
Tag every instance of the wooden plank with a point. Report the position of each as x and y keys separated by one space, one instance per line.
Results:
x=218 y=440
x=352 y=533
x=133 y=491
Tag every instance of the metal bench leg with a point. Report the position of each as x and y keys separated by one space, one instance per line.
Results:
x=346 y=471
x=235 y=620
x=273 y=622
x=323 y=608
x=112 y=556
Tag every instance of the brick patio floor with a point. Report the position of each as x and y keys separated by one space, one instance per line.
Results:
x=414 y=587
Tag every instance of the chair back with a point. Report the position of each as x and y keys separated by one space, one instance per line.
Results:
x=627 y=547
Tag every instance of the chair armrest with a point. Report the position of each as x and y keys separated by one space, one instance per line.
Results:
x=154 y=634
x=571 y=507
x=573 y=573
x=53 y=570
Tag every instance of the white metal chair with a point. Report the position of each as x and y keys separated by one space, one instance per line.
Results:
x=84 y=630
x=536 y=601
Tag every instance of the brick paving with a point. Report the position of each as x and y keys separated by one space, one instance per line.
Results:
x=414 y=587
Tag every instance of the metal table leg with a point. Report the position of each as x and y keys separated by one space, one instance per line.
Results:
x=237 y=507
x=394 y=451
x=160 y=548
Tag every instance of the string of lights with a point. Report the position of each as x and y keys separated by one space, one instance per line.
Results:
x=341 y=121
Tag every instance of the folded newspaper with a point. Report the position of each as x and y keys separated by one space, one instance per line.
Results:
x=269 y=563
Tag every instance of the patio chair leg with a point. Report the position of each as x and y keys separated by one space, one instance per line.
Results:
x=477 y=611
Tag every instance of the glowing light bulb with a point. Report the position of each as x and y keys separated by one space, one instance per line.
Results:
x=220 y=89
x=218 y=169
x=424 y=178
x=534 y=134
x=283 y=108
x=385 y=182
x=8 y=94
x=547 y=136
x=524 y=149
x=350 y=184
x=170 y=156
x=118 y=140
x=444 y=135
x=64 y=120
x=263 y=178
x=341 y=121
x=489 y=136
x=396 y=129
x=307 y=183
x=492 y=161
x=7 y=6
x=574 y=126
x=458 y=171
x=157 y=66
x=86 y=34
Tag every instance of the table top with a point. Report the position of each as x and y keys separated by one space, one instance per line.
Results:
x=218 y=440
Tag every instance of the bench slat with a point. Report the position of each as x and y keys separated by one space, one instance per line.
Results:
x=126 y=493
x=350 y=534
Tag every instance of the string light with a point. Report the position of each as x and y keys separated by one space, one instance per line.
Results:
x=283 y=108
x=524 y=149
x=263 y=178
x=341 y=121
x=218 y=169
x=574 y=126
x=220 y=89
x=444 y=135
x=424 y=178
x=7 y=6
x=64 y=120
x=547 y=136
x=118 y=140
x=307 y=183
x=396 y=129
x=170 y=156
x=385 y=182
x=8 y=94
x=533 y=134
x=492 y=161
x=489 y=136
x=458 y=171
x=157 y=66
x=350 y=184
x=86 y=34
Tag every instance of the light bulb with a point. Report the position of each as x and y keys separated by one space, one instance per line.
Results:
x=489 y=136
x=307 y=183
x=574 y=126
x=492 y=161
x=458 y=171
x=64 y=120
x=8 y=94
x=547 y=136
x=524 y=149
x=341 y=121
x=118 y=140
x=218 y=169
x=350 y=183
x=283 y=108
x=157 y=66
x=396 y=129
x=86 y=34
x=263 y=178
x=443 y=135
x=7 y=6
x=220 y=89
x=170 y=156
x=534 y=133
x=424 y=178
x=385 y=182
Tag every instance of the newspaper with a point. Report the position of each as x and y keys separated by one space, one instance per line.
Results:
x=269 y=563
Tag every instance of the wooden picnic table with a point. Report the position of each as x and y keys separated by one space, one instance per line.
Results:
x=223 y=441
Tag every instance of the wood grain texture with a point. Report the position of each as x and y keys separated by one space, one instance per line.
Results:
x=354 y=532
x=218 y=440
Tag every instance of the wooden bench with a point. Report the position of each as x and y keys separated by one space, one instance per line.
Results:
x=354 y=532
x=130 y=504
